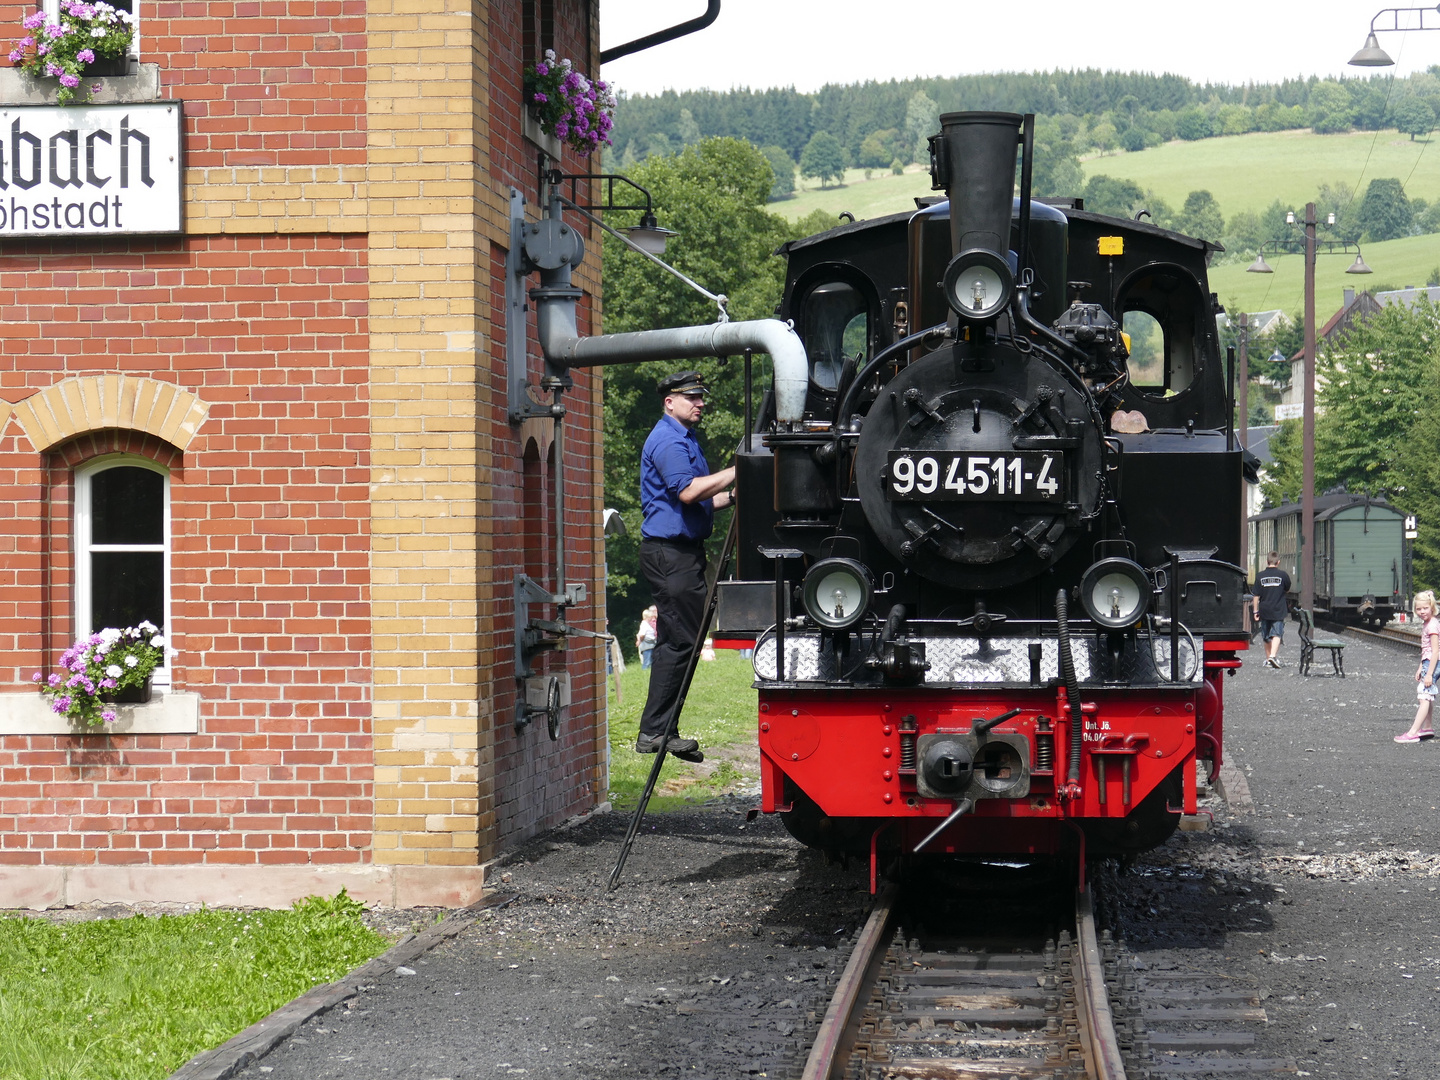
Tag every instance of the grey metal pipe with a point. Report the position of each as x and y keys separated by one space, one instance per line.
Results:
x=565 y=348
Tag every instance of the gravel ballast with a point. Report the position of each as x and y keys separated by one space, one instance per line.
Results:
x=724 y=935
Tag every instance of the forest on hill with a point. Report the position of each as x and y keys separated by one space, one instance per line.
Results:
x=874 y=126
x=879 y=124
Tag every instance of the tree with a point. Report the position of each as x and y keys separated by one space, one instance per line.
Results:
x=823 y=158
x=784 y=168
x=1329 y=108
x=880 y=148
x=688 y=129
x=713 y=194
x=1414 y=116
x=1385 y=213
x=922 y=119
x=1107 y=195
x=1379 y=388
x=1201 y=216
x=1194 y=124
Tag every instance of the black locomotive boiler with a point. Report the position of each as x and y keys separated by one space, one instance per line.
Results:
x=990 y=574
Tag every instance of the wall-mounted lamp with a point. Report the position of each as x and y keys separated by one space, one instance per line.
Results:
x=1374 y=56
x=649 y=236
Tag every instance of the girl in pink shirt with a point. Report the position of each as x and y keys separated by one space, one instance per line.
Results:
x=1425 y=681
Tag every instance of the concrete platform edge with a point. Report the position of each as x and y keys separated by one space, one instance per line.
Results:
x=42 y=887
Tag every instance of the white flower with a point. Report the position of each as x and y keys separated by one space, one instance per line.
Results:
x=110 y=634
x=146 y=624
x=97 y=31
x=131 y=661
x=158 y=640
x=114 y=671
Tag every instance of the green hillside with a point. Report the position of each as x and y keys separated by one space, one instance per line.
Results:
x=1243 y=172
x=1397 y=263
x=1248 y=172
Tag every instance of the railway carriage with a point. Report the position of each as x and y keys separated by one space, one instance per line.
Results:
x=990 y=574
x=1362 y=559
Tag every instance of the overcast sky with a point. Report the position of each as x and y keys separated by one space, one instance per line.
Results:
x=808 y=43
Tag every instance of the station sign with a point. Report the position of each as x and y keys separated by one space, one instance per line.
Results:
x=91 y=170
x=1289 y=412
x=1412 y=527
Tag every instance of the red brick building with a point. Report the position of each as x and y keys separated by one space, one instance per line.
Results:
x=280 y=431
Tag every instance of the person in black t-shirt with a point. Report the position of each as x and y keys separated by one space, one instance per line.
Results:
x=1271 y=587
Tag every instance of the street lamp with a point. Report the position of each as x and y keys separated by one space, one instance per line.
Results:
x=1371 y=55
x=1309 y=246
x=1243 y=325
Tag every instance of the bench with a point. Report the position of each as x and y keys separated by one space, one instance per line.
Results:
x=1309 y=643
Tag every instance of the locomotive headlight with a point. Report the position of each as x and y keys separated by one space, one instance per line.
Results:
x=1115 y=593
x=978 y=284
x=837 y=593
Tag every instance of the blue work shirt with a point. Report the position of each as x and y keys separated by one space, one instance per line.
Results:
x=671 y=459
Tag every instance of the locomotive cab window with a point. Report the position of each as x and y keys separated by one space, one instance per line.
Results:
x=1160 y=310
x=835 y=326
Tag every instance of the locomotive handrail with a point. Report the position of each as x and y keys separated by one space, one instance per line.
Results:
x=883 y=356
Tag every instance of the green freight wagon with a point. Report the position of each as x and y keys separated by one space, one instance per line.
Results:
x=1362 y=559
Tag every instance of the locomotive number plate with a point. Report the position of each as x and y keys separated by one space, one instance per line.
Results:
x=961 y=476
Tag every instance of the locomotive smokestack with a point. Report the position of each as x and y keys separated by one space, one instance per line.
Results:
x=973 y=159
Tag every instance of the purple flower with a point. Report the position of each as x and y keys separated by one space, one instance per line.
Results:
x=108 y=684
x=54 y=679
x=95 y=88
x=86 y=56
x=33 y=21
x=562 y=130
x=540 y=68
x=539 y=98
x=62 y=704
x=43 y=49
x=71 y=81
x=108 y=716
x=54 y=30
x=16 y=55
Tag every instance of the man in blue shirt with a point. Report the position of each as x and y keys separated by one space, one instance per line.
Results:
x=679 y=496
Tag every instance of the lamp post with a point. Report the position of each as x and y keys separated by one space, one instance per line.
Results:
x=1371 y=55
x=1310 y=246
x=1242 y=333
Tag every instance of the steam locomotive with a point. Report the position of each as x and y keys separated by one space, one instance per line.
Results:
x=990 y=575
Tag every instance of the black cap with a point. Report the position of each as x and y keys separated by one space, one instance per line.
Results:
x=684 y=382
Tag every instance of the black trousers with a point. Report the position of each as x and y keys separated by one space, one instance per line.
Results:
x=676 y=574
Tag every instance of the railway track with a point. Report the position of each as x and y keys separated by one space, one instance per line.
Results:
x=1390 y=635
x=1001 y=1005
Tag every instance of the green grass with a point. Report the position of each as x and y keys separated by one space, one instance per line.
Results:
x=1396 y=263
x=135 y=998
x=1249 y=172
x=720 y=711
x=1243 y=172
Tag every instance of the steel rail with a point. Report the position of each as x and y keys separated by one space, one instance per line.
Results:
x=1103 y=1058
x=1386 y=635
x=837 y=1030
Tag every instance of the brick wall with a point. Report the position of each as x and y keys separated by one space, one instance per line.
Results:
x=349 y=498
x=269 y=550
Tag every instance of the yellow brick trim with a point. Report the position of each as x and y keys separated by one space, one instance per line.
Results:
x=257 y=199
x=75 y=406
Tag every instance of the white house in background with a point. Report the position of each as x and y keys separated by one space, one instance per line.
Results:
x=1356 y=306
x=1409 y=295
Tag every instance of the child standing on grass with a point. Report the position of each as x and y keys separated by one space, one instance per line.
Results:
x=1425 y=673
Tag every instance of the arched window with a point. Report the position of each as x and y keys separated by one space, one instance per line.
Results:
x=122 y=546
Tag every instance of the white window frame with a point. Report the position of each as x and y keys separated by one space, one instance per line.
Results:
x=84 y=520
x=52 y=12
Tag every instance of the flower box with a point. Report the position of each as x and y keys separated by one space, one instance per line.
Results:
x=531 y=129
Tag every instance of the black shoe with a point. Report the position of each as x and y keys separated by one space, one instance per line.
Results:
x=684 y=749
